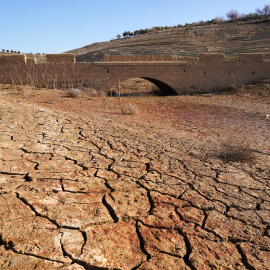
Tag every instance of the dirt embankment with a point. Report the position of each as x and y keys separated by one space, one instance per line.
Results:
x=182 y=184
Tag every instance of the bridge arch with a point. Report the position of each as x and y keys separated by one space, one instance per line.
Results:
x=165 y=89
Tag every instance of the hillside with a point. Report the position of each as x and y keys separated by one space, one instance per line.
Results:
x=228 y=38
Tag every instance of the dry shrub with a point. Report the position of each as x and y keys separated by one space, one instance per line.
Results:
x=101 y=93
x=52 y=96
x=237 y=150
x=74 y=92
x=25 y=89
x=237 y=88
x=129 y=109
x=90 y=92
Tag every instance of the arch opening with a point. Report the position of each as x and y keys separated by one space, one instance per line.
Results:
x=165 y=89
x=141 y=86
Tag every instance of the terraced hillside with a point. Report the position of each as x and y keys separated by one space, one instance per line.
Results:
x=228 y=38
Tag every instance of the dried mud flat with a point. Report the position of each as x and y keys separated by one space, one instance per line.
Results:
x=85 y=187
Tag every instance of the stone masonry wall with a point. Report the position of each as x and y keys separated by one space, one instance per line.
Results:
x=210 y=73
x=249 y=57
x=65 y=58
x=146 y=58
x=212 y=57
x=12 y=59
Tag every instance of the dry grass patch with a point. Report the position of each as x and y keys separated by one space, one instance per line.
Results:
x=25 y=90
x=129 y=109
x=90 y=92
x=237 y=88
x=237 y=150
x=75 y=93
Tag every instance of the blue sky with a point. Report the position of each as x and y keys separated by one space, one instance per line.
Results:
x=55 y=26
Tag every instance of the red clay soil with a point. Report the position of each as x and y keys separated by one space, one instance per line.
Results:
x=181 y=184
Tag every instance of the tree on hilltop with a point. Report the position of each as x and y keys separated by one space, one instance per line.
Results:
x=233 y=15
x=265 y=11
x=127 y=34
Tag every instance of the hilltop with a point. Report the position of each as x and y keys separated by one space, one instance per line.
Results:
x=230 y=38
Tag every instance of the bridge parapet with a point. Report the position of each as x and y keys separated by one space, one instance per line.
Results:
x=147 y=58
x=249 y=57
x=63 y=58
x=213 y=57
x=7 y=59
x=142 y=64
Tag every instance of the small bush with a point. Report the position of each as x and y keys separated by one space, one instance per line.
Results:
x=101 y=93
x=237 y=151
x=91 y=92
x=129 y=109
x=237 y=88
x=25 y=89
x=74 y=92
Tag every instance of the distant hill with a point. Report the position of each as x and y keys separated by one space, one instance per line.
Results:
x=230 y=38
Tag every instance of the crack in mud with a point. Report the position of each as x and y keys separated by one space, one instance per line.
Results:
x=244 y=258
x=142 y=242
x=189 y=250
x=10 y=246
x=110 y=209
x=34 y=210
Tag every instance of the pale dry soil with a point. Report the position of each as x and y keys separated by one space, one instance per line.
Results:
x=83 y=186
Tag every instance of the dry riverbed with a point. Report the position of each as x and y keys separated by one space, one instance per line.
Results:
x=181 y=184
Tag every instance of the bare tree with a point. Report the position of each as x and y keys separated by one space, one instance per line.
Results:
x=233 y=15
x=265 y=11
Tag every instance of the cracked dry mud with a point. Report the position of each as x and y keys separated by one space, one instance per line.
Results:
x=88 y=189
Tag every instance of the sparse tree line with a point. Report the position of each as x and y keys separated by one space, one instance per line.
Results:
x=232 y=16
x=18 y=52
x=10 y=51
x=262 y=13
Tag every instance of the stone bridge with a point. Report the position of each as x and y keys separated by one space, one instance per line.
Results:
x=172 y=74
